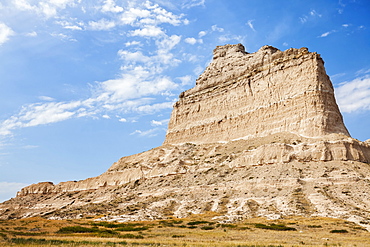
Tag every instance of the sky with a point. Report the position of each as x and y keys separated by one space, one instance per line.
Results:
x=85 y=82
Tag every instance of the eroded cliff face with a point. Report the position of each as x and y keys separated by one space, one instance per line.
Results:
x=243 y=95
x=259 y=135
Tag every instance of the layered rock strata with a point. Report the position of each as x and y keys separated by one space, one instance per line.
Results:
x=259 y=135
x=242 y=95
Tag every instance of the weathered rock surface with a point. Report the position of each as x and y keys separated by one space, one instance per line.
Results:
x=259 y=135
x=243 y=95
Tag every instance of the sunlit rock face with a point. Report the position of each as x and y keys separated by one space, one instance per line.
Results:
x=242 y=95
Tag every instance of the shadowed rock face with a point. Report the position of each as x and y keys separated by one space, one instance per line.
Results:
x=259 y=135
x=242 y=95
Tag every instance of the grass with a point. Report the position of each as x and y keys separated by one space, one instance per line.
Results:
x=42 y=241
x=197 y=230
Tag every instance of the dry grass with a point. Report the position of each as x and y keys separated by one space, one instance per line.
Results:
x=198 y=230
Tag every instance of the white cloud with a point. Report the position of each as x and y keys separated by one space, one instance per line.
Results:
x=191 y=41
x=9 y=189
x=155 y=123
x=102 y=24
x=345 y=25
x=185 y=80
x=250 y=24
x=132 y=43
x=325 y=34
x=148 y=31
x=136 y=56
x=46 y=98
x=228 y=38
x=106 y=116
x=354 y=95
x=202 y=33
x=148 y=133
x=31 y=34
x=5 y=33
x=110 y=6
x=314 y=13
x=123 y=120
x=48 y=8
x=150 y=109
x=63 y=36
x=159 y=123
x=216 y=28
x=311 y=15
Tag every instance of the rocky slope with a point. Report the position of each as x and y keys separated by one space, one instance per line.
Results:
x=259 y=135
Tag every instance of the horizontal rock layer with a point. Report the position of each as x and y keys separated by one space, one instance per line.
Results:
x=243 y=95
x=178 y=159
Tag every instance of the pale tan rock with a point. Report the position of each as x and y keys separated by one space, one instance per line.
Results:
x=259 y=135
x=242 y=95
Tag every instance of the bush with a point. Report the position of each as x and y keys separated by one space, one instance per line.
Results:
x=178 y=236
x=207 y=228
x=193 y=223
x=275 y=227
x=339 y=231
x=314 y=226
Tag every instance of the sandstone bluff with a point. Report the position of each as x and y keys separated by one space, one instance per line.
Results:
x=259 y=135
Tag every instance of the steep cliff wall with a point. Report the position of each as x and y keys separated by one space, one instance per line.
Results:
x=242 y=95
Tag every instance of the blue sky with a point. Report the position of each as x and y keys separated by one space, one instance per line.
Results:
x=83 y=83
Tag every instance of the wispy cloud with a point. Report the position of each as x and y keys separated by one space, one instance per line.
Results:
x=47 y=8
x=313 y=14
x=250 y=24
x=327 y=34
x=354 y=95
x=102 y=24
x=147 y=133
x=46 y=98
x=193 y=3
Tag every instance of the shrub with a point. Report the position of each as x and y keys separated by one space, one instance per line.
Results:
x=275 y=227
x=339 y=231
x=207 y=228
x=314 y=226
x=193 y=223
x=178 y=236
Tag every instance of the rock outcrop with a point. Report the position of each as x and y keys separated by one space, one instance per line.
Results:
x=243 y=95
x=259 y=135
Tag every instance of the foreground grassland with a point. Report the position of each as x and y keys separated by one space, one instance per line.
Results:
x=198 y=230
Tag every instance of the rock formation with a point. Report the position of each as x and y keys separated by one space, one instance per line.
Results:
x=259 y=135
x=243 y=95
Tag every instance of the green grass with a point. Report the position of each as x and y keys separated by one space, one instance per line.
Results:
x=129 y=235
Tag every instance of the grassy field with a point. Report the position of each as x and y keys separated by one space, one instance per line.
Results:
x=198 y=230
